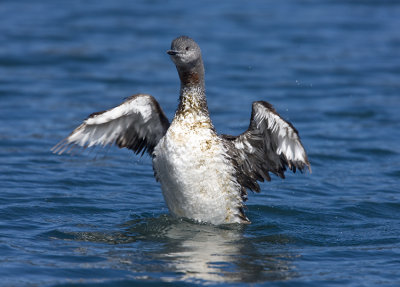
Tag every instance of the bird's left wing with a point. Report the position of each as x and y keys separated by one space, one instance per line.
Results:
x=270 y=144
x=137 y=124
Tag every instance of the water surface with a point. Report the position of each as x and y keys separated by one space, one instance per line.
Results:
x=98 y=219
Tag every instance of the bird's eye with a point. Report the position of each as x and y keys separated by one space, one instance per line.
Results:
x=187 y=48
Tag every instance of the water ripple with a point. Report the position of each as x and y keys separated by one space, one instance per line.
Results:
x=98 y=218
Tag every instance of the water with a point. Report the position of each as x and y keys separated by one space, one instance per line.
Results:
x=99 y=219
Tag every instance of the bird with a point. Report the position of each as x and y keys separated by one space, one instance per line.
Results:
x=204 y=176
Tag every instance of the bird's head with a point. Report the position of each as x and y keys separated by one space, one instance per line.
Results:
x=185 y=53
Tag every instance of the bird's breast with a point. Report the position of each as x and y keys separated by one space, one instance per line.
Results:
x=196 y=176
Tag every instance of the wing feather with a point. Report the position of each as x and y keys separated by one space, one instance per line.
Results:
x=270 y=144
x=137 y=124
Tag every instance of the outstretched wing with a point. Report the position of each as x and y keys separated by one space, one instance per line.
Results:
x=270 y=144
x=137 y=124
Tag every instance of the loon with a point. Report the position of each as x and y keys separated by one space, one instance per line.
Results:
x=204 y=176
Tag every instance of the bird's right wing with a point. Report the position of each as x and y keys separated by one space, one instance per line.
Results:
x=137 y=124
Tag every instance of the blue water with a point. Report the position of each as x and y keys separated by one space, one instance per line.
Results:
x=98 y=219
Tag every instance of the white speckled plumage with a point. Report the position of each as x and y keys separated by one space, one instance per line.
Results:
x=204 y=176
x=196 y=175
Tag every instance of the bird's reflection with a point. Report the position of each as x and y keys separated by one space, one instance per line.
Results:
x=202 y=252
x=184 y=250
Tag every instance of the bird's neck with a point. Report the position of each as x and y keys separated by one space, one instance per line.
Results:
x=192 y=76
x=192 y=94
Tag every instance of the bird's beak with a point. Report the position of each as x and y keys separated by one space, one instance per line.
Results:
x=172 y=52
